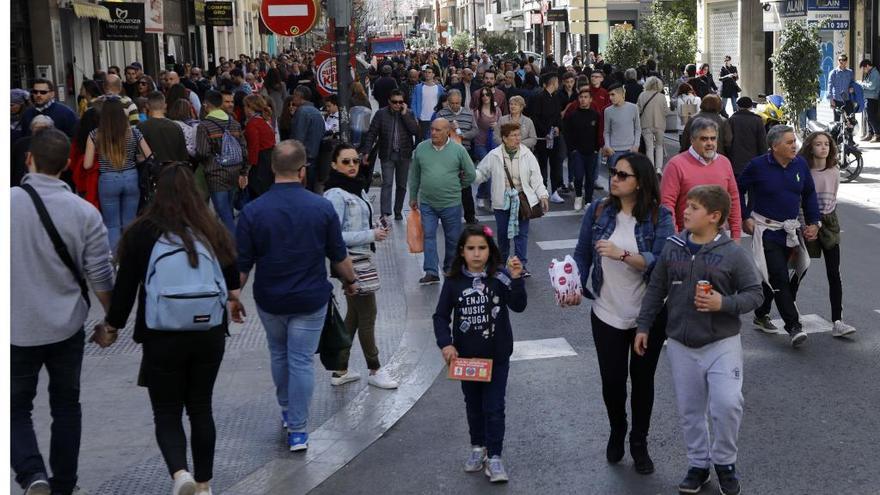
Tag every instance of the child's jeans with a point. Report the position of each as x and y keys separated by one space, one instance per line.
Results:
x=485 y=409
x=708 y=379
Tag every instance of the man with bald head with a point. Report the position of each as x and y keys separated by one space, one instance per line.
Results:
x=440 y=169
x=172 y=79
x=113 y=89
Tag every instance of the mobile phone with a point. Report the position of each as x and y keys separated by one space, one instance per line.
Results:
x=383 y=222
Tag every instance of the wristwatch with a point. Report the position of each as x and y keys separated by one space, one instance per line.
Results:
x=626 y=254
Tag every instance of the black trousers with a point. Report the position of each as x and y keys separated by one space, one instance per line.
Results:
x=835 y=284
x=784 y=289
x=872 y=112
x=485 y=409
x=63 y=362
x=179 y=370
x=549 y=158
x=261 y=177
x=615 y=353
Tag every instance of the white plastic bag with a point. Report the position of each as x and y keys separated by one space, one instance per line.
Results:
x=565 y=278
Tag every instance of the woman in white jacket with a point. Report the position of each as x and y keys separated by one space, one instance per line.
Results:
x=522 y=166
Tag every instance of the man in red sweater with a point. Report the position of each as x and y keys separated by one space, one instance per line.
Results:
x=700 y=165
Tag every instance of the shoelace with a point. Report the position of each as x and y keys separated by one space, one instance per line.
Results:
x=496 y=466
x=476 y=456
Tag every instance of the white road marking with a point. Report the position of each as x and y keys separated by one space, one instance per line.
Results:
x=559 y=244
x=288 y=10
x=875 y=225
x=561 y=213
x=877 y=310
x=541 y=349
x=810 y=324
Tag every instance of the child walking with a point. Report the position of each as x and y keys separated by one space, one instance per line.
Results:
x=472 y=321
x=705 y=351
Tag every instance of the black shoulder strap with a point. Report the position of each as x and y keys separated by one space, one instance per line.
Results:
x=647 y=102
x=57 y=241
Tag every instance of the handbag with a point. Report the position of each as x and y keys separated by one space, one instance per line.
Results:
x=148 y=175
x=526 y=212
x=57 y=241
x=334 y=338
x=367 y=274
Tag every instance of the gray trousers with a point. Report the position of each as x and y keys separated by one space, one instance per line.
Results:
x=708 y=382
x=394 y=171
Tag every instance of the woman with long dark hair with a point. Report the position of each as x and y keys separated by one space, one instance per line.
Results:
x=178 y=367
x=620 y=239
x=286 y=118
x=260 y=142
x=115 y=146
x=86 y=181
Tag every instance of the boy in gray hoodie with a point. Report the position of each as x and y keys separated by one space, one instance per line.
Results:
x=705 y=352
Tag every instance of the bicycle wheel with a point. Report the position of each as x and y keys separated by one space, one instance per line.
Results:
x=852 y=165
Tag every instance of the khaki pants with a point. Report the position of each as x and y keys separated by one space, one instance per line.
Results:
x=361 y=318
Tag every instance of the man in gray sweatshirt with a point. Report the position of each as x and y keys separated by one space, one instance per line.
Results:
x=49 y=308
x=623 y=127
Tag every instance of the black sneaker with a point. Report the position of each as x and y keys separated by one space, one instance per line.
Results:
x=642 y=462
x=727 y=479
x=615 y=449
x=694 y=481
x=798 y=336
x=38 y=485
x=429 y=279
x=398 y=216
x=764 y=324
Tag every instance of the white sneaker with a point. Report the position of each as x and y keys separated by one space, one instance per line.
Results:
x=578 y=203
x=841 y=329
x=209 y=492
x=382 y=380
x=481 y=203
x=556 y=198
x=184 y=485
x=349 y=376
x=40 y=486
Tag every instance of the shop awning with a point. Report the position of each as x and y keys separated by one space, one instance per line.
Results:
x=85 y=9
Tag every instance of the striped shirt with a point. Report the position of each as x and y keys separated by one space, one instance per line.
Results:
x=132 y=146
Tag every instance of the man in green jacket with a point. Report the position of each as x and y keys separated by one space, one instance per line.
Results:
x=440 y=169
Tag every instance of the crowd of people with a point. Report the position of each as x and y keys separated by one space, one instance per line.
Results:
x=170 y=194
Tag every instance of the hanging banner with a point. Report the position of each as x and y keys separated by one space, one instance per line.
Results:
x=218 y=14
x=155 y=16
x=126 y=22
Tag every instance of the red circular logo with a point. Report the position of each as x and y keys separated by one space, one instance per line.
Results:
x=568 y=268
x=562 y=281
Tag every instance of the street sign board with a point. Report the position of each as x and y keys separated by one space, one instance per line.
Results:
x=290 y=17
x=127 y=22
x=557 y=15
x=218 y=14
x=325 y=70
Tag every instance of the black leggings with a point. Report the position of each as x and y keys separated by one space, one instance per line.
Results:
x=180 y=369
x=615 y=353
x=835 y=285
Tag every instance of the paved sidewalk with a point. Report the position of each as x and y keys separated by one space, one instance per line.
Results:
x=119 y=453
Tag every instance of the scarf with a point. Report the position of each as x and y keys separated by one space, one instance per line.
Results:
x=43 y=108
x=351 y=185
x=511 y=203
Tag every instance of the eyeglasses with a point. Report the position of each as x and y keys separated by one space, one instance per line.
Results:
x=349 y=161
x=620 y=174
x=40 y=91
x=395 y=102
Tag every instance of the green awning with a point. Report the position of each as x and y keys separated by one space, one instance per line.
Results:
x=85 y=9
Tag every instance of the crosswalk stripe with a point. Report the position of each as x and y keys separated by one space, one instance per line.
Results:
x=561 y=213
x=875 y=225
x=541 y=349
x=558 y=244
x=809 y=323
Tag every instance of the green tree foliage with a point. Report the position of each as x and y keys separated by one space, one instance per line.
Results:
x=672 y=37
x=624 y=48
x=796 y=64
x=497 y=43
x=686 y=8
x=462 y=41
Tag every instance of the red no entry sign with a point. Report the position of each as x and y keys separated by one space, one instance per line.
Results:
x=289 y=17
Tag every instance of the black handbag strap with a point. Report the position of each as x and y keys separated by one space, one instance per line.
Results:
x=647 y=102
x=507 y=172
x=57 y=241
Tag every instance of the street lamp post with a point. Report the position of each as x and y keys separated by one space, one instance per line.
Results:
x=340 y=13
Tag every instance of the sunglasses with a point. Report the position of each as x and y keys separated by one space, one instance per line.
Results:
x=395 y=102
x=40 y=91
x=620 y=174
x=349 y=161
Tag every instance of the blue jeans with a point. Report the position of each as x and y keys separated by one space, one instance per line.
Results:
x=119 y=195
x=293 y=340
x=484 y=403
x=63 y=362
x=222 y=201
x=583 y=168
x=485 y=188
x=451 y=218
x=520 y=241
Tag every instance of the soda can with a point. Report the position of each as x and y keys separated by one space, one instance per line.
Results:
x=704 y=287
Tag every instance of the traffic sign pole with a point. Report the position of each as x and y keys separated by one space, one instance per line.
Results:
x=340 y=14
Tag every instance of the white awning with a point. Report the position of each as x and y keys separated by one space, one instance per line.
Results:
x=90 y=10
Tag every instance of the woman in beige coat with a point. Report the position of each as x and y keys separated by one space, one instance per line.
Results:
x=652 y=109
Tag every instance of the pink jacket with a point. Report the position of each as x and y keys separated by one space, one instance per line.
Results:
x=684 y=172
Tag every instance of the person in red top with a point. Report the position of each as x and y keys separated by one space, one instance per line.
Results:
x=86 y=181
x=601 y=101
x=260 y=141
x=700 y=165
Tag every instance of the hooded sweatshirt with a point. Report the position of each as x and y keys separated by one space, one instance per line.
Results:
x=728 y=267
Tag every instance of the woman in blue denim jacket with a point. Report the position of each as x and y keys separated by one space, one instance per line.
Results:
x=345 y=190
x=620 y=239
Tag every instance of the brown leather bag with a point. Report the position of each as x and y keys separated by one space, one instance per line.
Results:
x=526 y=212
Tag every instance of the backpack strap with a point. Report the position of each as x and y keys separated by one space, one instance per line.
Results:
x=57 y=241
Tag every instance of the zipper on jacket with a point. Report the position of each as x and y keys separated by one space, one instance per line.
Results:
x=690 y=278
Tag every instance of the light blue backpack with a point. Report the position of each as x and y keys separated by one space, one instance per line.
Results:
x=178 y=296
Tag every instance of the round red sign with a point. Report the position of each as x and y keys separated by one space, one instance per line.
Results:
x=290 y=17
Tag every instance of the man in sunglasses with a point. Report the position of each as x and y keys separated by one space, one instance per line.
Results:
x=840 y=83
x=43 y=97
x=392 y=129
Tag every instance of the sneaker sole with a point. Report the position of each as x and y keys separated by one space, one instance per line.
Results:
x=40 y=489
x=298 y=448
x=843 y=334
x=730 y=493
x=188 y=489
x=384 y=387
x=698 y=490
x=343 y=382
x=473 y=470
x=433 y=282
x=798 y=340
x=495 y=479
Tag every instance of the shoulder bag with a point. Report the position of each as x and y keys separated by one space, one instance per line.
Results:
x=526 y=212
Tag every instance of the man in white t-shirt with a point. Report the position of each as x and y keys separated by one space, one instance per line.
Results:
x=425 y=99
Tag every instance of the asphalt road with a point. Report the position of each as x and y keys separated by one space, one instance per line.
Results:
x=811 y=423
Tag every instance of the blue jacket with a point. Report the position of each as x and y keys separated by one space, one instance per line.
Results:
x=417 y=98
x=355 y=214
x=649 y=237
x=64 y=118
x=838 y=84
x=307 y=127
x=871 y=84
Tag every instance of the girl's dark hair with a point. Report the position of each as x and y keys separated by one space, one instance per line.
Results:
x=273 y=79
x=176 y=92
x=87 y=123
x=492 y=264
x=91 y=88
x=648 y=193
x=339 y=149
x=807 y=150
x=491 y=94
x=178 y=209
x=284 y=120
x=181 y=110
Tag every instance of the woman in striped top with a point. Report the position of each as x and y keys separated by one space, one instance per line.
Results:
x=116 y=144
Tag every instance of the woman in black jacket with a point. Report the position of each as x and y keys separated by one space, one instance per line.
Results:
x=178 y=367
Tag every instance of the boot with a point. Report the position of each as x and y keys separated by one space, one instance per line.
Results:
x=638 y=449
x=615 y=449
